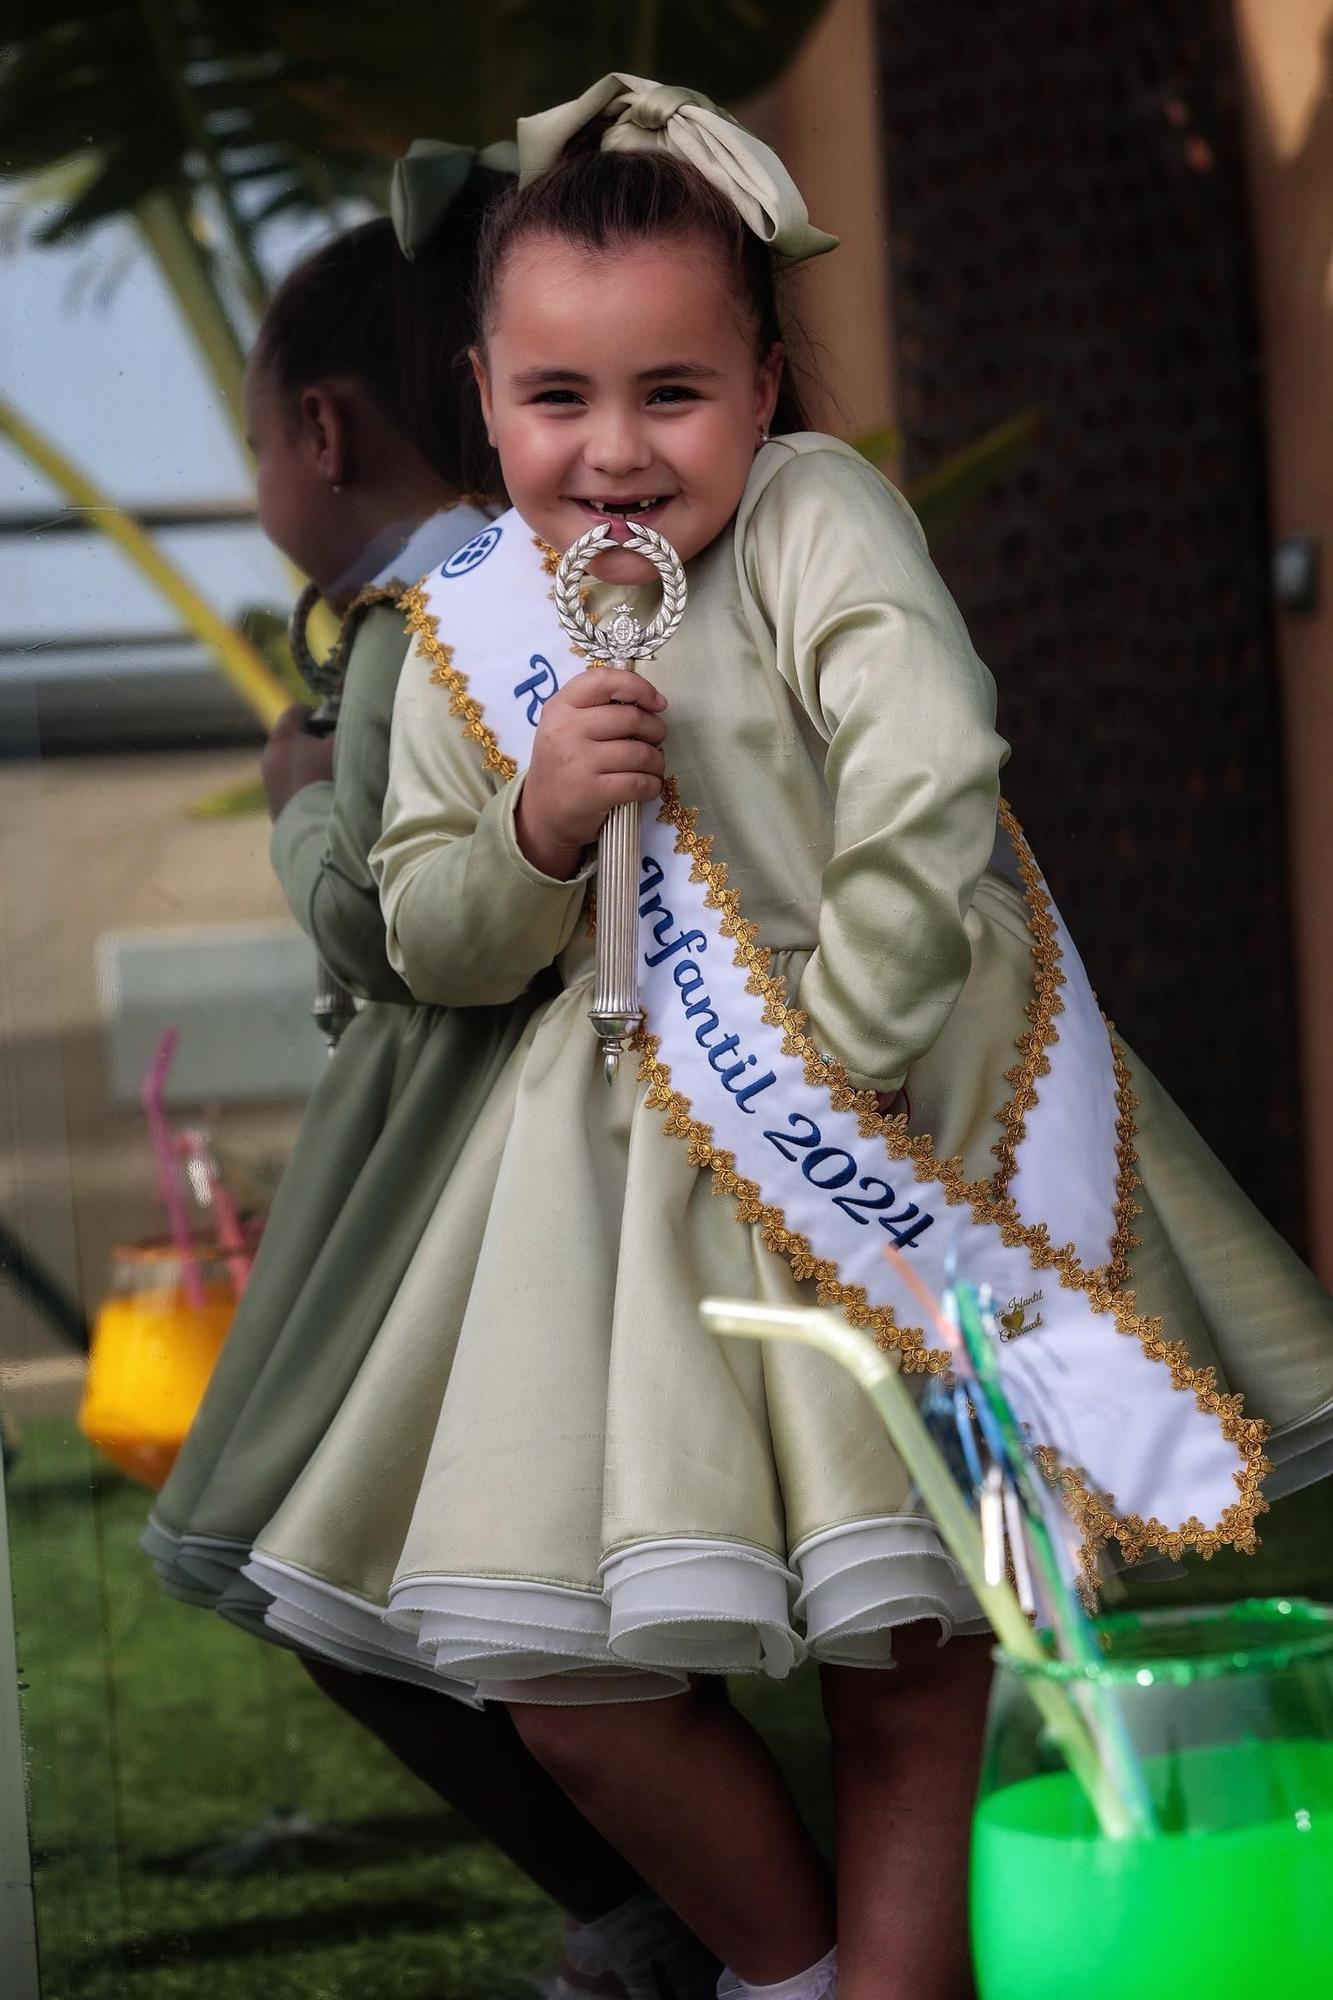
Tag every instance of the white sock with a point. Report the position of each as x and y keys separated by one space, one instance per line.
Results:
x=819 y=1982
x=652 y=1953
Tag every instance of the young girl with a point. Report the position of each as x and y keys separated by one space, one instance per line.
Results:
x=547 y=1479
x=366 y=440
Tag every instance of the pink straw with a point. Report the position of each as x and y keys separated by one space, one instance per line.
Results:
x=168 y=1179
x=226 y=1215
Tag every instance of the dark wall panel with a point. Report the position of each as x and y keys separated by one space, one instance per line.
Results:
x=1069 y=233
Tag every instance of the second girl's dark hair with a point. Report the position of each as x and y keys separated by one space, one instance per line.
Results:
x=601 y=201
x=358 y=307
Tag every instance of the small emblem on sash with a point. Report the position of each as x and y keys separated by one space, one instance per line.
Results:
x=1014 y=1319
x=463 y=560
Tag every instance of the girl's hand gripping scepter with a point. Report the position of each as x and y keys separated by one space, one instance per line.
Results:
x=615 y=1012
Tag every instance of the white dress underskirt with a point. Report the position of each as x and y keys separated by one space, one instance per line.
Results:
x=667 y=1610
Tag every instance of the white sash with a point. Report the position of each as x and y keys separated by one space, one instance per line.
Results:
x=1145 y=1447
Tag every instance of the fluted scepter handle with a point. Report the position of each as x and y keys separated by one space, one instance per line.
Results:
x=620 y=640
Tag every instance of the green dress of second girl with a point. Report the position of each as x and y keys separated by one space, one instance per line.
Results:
x=379 y=1140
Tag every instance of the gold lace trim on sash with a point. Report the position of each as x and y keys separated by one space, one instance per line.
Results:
x=426 y=626
x=1045 y=1004
x=990 y=1200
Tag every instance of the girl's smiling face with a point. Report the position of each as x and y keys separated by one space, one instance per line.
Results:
x=623 y=386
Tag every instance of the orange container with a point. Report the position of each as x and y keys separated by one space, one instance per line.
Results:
x=151 y=1356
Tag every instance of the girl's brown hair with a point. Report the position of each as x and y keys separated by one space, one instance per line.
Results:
x=357 y=307
x=601 y=201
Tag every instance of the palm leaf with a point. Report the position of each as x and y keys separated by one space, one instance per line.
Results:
x=232 y=802
x=880 y=445
x=126 y=176
x=940 y=496
x=315 y=99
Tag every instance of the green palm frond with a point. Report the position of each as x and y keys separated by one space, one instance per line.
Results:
x=879 y=446
x=205 y=120
x=941 y=495
x=282 y=106
x=243 y=801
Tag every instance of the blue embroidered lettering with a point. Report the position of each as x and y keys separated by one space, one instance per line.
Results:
x=687 y=941
x=753 y=1089
x=539 y=687
x=650 y=880
x=705 y=1027
x=722 y=1048
x=687 y=976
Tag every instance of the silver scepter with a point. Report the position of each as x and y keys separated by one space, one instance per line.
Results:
x=621 y=641
x=332 y=1006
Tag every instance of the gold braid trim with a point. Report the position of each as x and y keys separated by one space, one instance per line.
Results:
x=1041 y=1010
x=332 y=669
x=1094 y=1513
x=1096 y=1516
x=444 y=673
x=679 y=1122
x=391 y=592
x=1127 y=1210
x=990 y=1200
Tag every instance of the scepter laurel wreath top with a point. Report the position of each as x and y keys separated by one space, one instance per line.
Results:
x=620 y=638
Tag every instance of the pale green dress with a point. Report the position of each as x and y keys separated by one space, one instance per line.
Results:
x=377 y=1143
x=547 y=1479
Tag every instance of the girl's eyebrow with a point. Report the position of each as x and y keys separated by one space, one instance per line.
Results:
x=539 y=378
x=694 y=371
x=674 y=371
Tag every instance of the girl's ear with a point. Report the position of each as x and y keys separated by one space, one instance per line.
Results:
x=325 y=432
x=482 y=379
x=768 y=383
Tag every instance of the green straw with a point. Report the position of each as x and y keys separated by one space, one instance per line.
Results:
x=1075 y=1634
x=1073 y=1629
x=881 y=1381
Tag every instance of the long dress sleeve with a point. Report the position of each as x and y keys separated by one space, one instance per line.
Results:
x=866 y=635
x=323 y=836
x=470 y=921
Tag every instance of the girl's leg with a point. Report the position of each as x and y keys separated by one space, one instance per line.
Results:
x=906 y=1753
x=689 y=1794
x=475 y=1761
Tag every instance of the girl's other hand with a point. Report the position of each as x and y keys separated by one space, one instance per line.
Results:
x=598 y=745
x=293 y=758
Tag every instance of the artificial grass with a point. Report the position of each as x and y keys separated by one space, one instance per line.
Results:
x=154 y=1730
